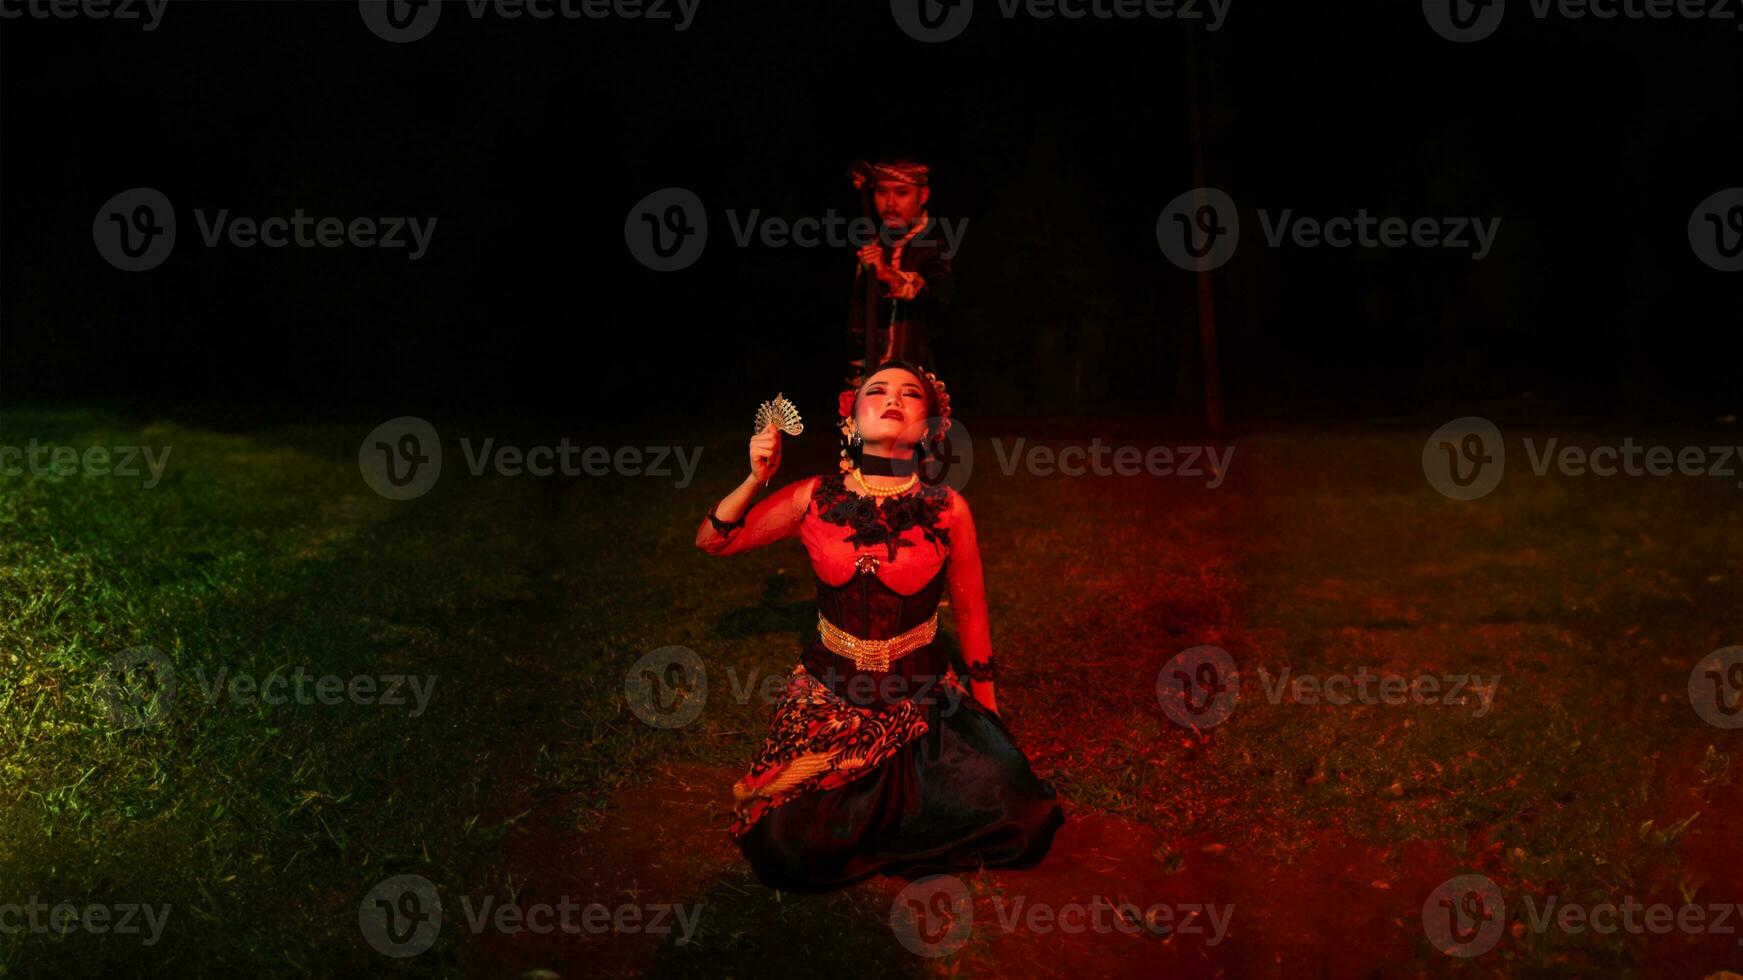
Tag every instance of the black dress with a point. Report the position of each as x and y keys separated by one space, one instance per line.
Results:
x=898 y=771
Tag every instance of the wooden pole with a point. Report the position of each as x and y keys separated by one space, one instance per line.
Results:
x=1212 y=380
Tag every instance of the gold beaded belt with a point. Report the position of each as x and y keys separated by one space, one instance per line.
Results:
x=876 y=654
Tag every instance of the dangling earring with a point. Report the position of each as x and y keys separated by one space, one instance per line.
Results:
x=855 y=438
x=847 y=435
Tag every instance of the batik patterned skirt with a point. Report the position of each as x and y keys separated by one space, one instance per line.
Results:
x=915 y=778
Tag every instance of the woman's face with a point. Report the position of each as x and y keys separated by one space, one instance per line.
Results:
x=892 y=408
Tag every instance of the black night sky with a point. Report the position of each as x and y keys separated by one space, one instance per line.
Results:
x=1060 y=142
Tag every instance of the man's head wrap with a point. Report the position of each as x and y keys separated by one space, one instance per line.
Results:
x=900 y=171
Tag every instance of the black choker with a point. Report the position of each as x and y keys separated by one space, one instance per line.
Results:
x=872 y=465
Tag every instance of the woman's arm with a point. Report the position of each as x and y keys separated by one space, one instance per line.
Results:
x=776 y=517
x=968 y=598
x=728 y=530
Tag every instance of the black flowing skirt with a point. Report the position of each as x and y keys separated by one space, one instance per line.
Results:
x=960 y=797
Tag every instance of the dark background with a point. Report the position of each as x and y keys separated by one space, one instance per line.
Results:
x=529 y=141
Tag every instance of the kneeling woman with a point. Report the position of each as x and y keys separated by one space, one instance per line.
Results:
x=876 y=759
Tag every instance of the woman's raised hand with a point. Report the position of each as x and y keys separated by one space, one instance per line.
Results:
x=765 y=454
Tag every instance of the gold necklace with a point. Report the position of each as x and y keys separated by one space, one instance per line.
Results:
x=872 y=491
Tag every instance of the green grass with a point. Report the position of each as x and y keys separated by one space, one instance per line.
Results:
x=526 y=599
x=263 y=825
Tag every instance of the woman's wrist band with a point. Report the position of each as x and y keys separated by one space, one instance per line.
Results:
x=724 y=528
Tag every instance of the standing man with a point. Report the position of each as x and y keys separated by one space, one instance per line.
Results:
x=914 y=285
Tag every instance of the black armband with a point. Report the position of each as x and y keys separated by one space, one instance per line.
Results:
x=724 y=528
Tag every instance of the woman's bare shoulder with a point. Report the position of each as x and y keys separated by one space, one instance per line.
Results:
x=957 y=504
x=805 y=490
